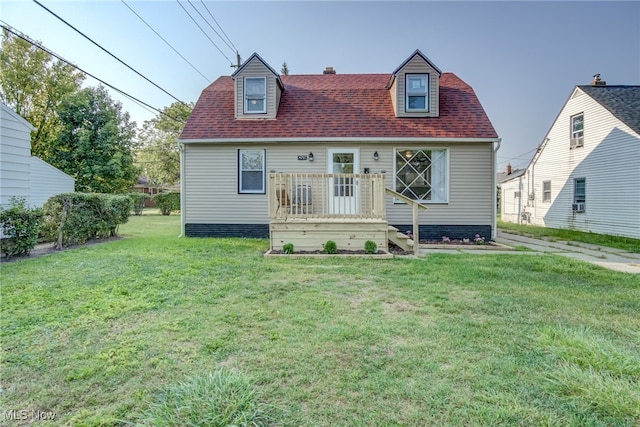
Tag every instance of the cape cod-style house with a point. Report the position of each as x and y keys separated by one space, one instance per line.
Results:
x=310 y=158
x=585 y=175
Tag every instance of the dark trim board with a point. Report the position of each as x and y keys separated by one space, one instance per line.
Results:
x=458 y=232
x=256 y=231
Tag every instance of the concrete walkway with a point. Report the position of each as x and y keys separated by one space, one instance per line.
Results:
x=611 y=258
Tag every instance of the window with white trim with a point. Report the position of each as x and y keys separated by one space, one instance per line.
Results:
x=546 y=191
x=255 y=95
x=577 y=130
x=579 y=194
x=251 y=171
x=422 y=174
x=416 y=90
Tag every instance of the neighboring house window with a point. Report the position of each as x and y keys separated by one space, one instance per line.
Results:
x=577 y=131
x=251 y=168
x=255 y=95
x=416 y=92
x=579 y=194
x=546 y=191
x=422 y=175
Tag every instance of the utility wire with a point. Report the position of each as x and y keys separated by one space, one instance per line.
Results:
x=210 y=26
x=519 y=156
x=106 y=51
x=52 y=53
x=163 y=39
x=203 y=32
x=219 y=26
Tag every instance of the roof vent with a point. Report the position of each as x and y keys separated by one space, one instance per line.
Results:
x=597 y=82
x=329 y=70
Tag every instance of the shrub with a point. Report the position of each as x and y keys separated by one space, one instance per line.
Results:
x=138 y=200
x=287 y=248
x=221 y=398
x=20 y=227
x=74 y=218
x=167 y=202
x=370 y=247
x=330 y=247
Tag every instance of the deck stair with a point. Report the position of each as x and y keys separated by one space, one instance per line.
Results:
x=400 y=239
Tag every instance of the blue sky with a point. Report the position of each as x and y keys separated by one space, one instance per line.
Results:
x=521 y=58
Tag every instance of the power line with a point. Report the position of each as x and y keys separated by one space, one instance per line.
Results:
x=52 y=53
x=518 y=156
x=210 y=26
x=163 y=39
x=106 y=51
x=203 y=32
x=219 y=26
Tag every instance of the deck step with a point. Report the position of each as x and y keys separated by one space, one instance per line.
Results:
x=400 y=239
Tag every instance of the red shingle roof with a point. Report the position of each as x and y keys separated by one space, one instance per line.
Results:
x=339 y=105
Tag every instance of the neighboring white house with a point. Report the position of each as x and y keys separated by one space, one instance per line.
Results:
x=586 y=173
x=21 y=174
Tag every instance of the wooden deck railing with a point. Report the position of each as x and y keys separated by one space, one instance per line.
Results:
x=326 y=196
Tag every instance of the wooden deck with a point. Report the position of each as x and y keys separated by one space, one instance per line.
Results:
x=307 y=210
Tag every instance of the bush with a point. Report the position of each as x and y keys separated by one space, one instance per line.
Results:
x=167 y=202
x=74 y=218
x=370 y=247
x=20 y=228
x=221 y=398
x=138 y=200
x=287 y=248
x=330 y=247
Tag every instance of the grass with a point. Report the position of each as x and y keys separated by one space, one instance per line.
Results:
x=108 y=335
x=554 y=234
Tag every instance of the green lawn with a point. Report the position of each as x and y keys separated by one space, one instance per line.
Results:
x=619 y=242
x=98 y=334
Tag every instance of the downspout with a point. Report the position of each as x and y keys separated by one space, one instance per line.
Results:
x=182 y=185
x=494 y=222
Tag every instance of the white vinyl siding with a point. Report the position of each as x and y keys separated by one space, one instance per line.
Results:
x=15 y=152
x=609 y=162
x=47 y=181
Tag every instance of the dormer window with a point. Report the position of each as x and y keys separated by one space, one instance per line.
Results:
x=416 y=92
x=255 y=95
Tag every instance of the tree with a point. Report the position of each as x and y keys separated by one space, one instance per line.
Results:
x=95 y=143
x=34 y=85
x=159 y=157
x=285 y=69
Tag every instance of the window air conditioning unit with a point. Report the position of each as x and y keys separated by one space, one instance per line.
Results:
x=578 y=207
x=576 y=142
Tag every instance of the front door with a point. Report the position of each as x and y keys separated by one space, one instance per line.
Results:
x=343 y=190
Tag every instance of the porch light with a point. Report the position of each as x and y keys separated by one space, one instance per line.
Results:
x=311 y=157
x=376 y=157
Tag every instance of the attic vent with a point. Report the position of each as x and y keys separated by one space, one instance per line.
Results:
x=329 y=70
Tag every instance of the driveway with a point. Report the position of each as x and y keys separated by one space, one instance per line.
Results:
x=611 y=258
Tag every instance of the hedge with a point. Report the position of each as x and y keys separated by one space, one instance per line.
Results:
x=74 y=218
x=138 y=200
x=20 y=227
x=167 y=202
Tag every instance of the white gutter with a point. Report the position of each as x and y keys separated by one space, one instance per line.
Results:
x=372 y=140
x=494 y=179
x=182 y=185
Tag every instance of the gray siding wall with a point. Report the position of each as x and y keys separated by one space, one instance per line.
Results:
x=211 y=181
x=257 y=69
x=47 y=181
x=417 y=66
x=608 y=161
x=15 y=151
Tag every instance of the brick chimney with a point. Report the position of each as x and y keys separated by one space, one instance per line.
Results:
x=509 y=169
x=329 y=70
x=597 y=82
